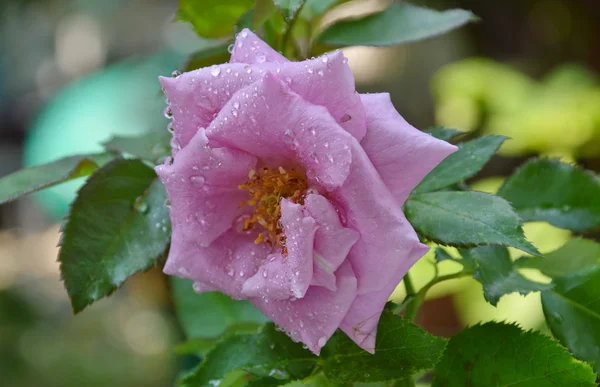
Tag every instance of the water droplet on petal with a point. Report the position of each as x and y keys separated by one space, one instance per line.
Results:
x=260 y=58
x=215 y=71
x=322 y=341
x=176 y=73
x=230 y=48
x=168 y=113
x=197 y=181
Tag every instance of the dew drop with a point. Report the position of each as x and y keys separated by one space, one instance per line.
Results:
x=170 y=127
x=197 y=181
x=322 y=341
x=230 y=48
x=215 y=71
x=260 y=58
x=176 y=73
x=168 y=113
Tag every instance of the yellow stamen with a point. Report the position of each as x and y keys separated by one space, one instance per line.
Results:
x=266 y=189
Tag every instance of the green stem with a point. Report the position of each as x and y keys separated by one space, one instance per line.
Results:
x=287 y=37
x=413 y=299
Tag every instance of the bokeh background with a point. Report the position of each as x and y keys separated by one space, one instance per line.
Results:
x=73 y=72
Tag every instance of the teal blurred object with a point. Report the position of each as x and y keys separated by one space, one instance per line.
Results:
x=122 y=99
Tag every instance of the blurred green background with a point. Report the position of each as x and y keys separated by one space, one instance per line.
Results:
x=73 y=72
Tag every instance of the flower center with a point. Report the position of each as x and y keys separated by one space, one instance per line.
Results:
x=266 y=188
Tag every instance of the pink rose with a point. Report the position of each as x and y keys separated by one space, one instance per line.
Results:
x=286 y=188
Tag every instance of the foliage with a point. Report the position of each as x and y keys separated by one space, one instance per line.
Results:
x=119 y=225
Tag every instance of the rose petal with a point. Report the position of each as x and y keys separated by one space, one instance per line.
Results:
x=284 y=130
x=360 y=324
x=249 y=48
x=401 y=154
x=333 y=241
x=197 y=96
x=282 y=277
x=386 y=237
x=314 y=318
x=202 y=184
x=225 y=265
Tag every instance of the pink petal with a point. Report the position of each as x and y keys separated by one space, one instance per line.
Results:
x=333 y=241
x=360 y=324
x=202 y=184
x=314 y=318
x=197 y=96
x=225 y=265
x=282 y=277
x=401 y=154
x=249 y=48
x=285 y=130
x=386 y=237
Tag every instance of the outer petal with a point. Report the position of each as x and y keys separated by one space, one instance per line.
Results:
x=360 y=324
x=270 y=121
x=314 y=318
x=197 y=96
x=225 y=265
x=249 y=48
x=333 y=241
x=284 y=277
x=202 y=184
x=386 y=237
x=401 y=154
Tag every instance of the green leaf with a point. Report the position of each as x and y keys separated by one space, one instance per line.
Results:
x=118 y=226
x=313 y=9
x=152 y=146
x=289 y=8
x=267 y=353
x=466 y=219
x=572 y=310
x=263 y=9
x=201 y=345
x=462 y=164
x=39 y=177
x=213 y=18
x=573 y=256
x=400 y=23
x=443 y=133
x=495 y=354
x=210 y=314
x=496 y=272
x=558 y=193
x=401 y=350
x=207 y=56
x=442 y=255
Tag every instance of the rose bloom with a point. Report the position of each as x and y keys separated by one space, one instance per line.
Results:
x=286 y=189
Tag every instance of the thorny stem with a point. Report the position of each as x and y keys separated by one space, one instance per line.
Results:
x=413 y=299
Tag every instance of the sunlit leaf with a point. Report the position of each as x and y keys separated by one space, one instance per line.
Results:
x=118 y=225
x=443 y=133
x=398 y=24
x=495 y=354
x=210 y=314
x=575 y=255
x=152 y=146
x=213 y=18
x=401 y=350
x=269 y=353
x=39 y=177
x=558 y=193
x=494 y=269
x=462 y=164
x=466 y=219
x=572 y=310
